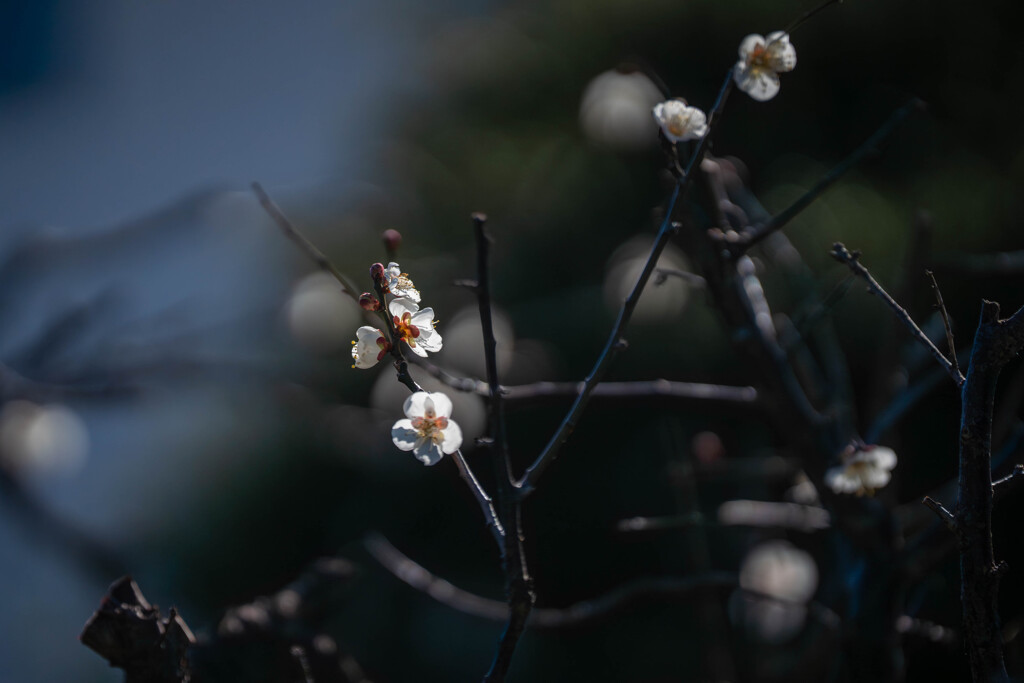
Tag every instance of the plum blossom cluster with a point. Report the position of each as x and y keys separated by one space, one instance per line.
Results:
x=862 y=470
x=428 y=430
x=408 y=322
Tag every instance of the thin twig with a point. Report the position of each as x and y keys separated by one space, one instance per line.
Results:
x=940 y=510
x=482 y=499
x=615 y=342
x=940 y=304
x=1001 y=487
x=781 y=219
x=294 y=235
x=808 y=14
x=843 y=255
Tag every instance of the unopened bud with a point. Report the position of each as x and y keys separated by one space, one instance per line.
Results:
x=392 y=240
x=369 y=301
x=377 y=272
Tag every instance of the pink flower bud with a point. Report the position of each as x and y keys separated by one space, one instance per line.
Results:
x=377 y=272
x=369 y=301
x=392 y=240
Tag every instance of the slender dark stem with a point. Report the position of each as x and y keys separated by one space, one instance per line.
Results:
x=808 y=14
x=945 y=321
x=1014 y=479
x=851 y=259
x=484 y=500
x=615 y=342
x=294 y=235
x=518 y=584
x=781 y=219
x=940 y=510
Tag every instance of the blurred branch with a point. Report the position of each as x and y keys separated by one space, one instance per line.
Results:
x=585 y=613
x=685 y=393
x=781 y=219
x=945 y=323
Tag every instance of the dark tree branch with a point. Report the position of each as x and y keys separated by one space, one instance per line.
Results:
x=518 y=584
x=1009 y=483
x=292 y=233
x=851 y=259
x=996 y=342
x=781 y=219
x=528 y=482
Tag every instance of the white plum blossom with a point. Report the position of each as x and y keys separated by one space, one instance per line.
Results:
x=863 y=470
x=429 y=432
x=680 y=122
x=414 y=326
x=369 y=347
x=761 y=61
x=399 y=283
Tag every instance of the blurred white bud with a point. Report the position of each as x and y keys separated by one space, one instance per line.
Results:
x=779 y=579
x=665 y=295
x=320 y=315
x=42 y=440
x=616 y=110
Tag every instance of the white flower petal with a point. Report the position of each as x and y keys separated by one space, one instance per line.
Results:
x=365 y=350
x=442 y=404
x=404 y=436
x=883 y=457
x=761 y=84
x=749 y=44
x=680 y=122
x=414 y=405
x=452 y=438
x=781 y=53
x=403 y=305
x=428 y=452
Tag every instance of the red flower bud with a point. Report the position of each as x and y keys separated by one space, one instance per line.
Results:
x=369 y=301
x=392 y=240
x=377 y=272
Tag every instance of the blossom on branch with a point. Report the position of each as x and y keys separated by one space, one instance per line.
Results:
x=414 y=326
x=369 y=347
x=680 y=122
x=863 y=470
x=399 y=283
x=761 y=61
x=429 y=432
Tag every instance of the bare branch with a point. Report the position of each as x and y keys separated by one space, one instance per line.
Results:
x=528 y=482
x=781 y=219
x=294 y=235
x=851 y=259
x=943 y=514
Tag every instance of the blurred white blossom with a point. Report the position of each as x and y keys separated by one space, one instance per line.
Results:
x=778 y=579
x=428 y=432
x=42 y=440
x=761 y=61
x=862 y=471
x=369 y=347
x=615 y=108
x=680 y=122
x=320 y=315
